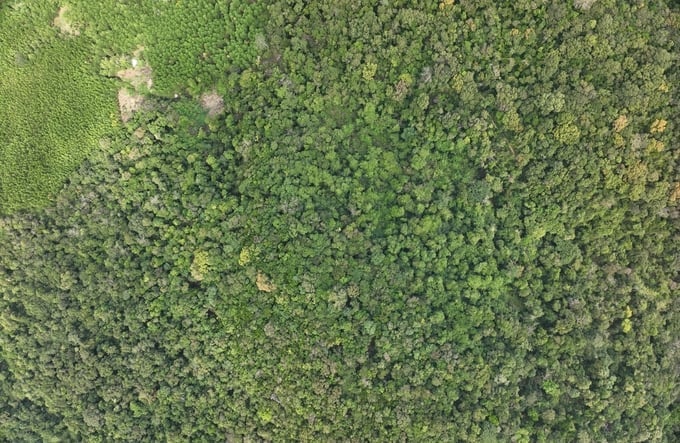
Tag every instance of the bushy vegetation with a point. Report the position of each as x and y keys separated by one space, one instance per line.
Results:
x=414 y=221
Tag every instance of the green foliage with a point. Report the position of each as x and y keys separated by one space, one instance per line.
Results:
x=412 y=222
x=190 y=44
x=54 y=108
x=193 y=43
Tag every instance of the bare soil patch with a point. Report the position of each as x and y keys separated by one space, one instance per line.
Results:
x=213 y=103
x=140 y=74
x=129 y=103
x=63 y=24
x=137 y=76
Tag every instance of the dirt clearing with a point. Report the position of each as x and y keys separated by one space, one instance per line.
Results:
x=129 y=103
x=213 y=103
x=137 y=76
x=63 y=24
x=140 y=74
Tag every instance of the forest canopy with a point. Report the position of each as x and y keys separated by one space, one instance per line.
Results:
x=339 y=221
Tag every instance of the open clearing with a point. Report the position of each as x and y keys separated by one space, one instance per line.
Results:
x=137 y=76
x=213 y=103
x=64 y=25
x=129 y=103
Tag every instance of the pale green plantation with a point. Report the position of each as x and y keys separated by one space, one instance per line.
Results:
x=54 y=107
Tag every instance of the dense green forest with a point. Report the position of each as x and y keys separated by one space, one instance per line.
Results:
x=340 y=220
